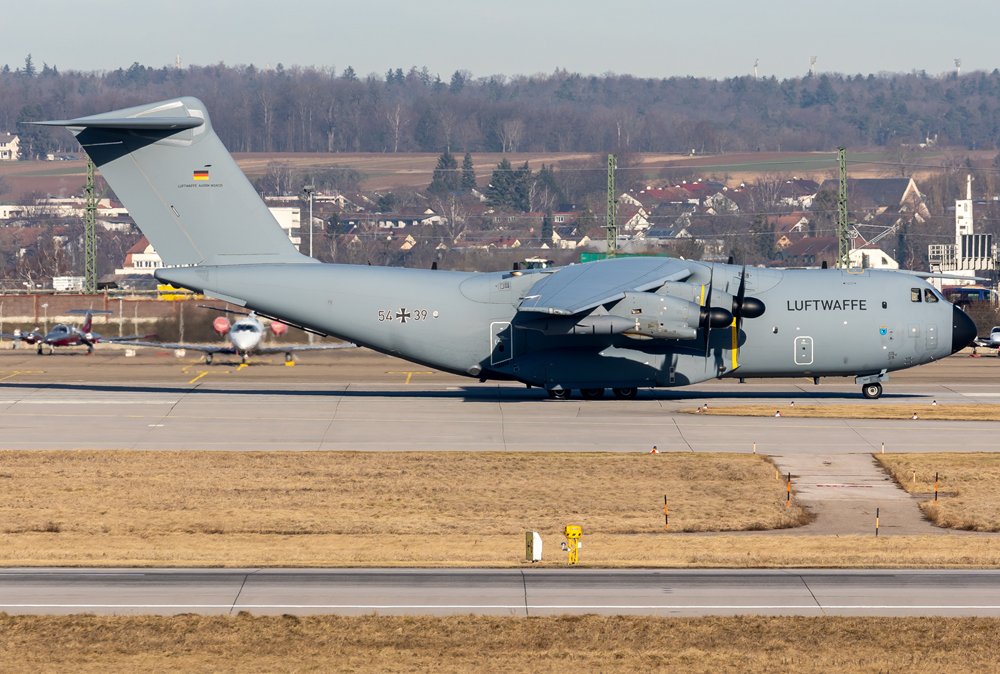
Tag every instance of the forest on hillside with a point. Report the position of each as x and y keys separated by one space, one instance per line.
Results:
x=325 y=110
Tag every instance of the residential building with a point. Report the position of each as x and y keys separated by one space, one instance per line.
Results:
x=10 y=147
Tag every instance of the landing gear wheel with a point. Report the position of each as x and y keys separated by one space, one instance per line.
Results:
x=208 y=359
x=592 y=393
x=559 y=393
x=872 y=391
x=628 y=393
x=288 y=358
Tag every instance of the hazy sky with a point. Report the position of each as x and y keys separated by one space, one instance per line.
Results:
x=512 y=37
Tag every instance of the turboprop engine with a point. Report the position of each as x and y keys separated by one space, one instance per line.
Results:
x=659 y=316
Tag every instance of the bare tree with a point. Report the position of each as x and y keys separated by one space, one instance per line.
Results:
x=394 y=116
x=765 y=193
x=511 y=132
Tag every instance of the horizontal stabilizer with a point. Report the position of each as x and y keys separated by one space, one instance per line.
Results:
x=145 y=124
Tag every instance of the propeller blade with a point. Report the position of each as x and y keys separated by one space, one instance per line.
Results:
x=706 y=311
x=738 y=300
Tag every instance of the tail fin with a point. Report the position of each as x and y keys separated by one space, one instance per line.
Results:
x=181 y=186
x=88 y=323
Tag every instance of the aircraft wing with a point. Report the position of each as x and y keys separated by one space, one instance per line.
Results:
x=571 y=290
x=203 y=348
x=303 y=347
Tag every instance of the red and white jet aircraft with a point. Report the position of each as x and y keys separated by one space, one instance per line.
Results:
x=243 y=338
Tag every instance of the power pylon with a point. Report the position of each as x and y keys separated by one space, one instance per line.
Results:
x=843 y=235
x=90 y=234
x=612 y=222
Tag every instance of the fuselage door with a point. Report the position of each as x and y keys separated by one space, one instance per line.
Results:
x=803 y=350
x=502 y=346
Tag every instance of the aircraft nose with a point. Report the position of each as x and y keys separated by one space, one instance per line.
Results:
x=963 y=330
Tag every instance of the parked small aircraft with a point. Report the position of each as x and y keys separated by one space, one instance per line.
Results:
x=990 y=341
x=244 y=338
x=619 y=323
x=62 y=334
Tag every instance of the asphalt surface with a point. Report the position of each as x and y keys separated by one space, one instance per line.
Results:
x=357 y=400
x=513 y=592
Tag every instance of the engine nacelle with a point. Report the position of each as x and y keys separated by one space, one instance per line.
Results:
x=660 y=316
x=278 y=328
x=221 y=325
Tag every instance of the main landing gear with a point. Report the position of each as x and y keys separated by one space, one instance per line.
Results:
x=871 y=384
x=872 y=391
x=628 y=393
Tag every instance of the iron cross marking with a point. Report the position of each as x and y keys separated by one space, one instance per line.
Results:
x=402 y=315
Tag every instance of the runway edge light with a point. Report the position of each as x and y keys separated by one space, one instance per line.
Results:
x=532 y=546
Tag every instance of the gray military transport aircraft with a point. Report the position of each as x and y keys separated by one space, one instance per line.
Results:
x=617 y=324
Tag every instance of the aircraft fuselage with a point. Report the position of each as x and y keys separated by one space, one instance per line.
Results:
x=817 y=323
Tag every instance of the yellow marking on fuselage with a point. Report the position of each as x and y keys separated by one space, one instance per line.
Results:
x=736 y=340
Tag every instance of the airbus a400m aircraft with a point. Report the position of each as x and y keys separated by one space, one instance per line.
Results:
x=618 y=324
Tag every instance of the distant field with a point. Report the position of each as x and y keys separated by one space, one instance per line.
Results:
x=969 y=485
x=246 y=643
x=385 y=171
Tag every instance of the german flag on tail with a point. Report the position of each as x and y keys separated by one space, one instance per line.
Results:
x=200 y=175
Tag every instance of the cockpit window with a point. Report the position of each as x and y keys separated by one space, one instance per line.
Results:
x=930 y=295
x=914 y=294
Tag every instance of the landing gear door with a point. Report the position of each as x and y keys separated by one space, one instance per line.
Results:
x=803 y=350
x=502 y=343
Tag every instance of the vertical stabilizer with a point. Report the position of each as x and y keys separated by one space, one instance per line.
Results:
x=181 y=186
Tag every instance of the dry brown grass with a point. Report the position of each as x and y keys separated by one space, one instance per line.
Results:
x=343 y=508
x=589 y=643
x=982 y=412
x=969 y=487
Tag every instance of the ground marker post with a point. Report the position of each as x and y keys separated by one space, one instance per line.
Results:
x=572 y=545
x=876 y=522
x=755 y=448
x=883 y=448
x=666 y=513
x=788 y=492
x=935 y=486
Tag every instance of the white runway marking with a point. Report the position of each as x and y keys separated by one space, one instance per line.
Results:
x=546 y=607
x=64 y=401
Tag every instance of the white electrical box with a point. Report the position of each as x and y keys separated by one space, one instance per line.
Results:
x=532 y=546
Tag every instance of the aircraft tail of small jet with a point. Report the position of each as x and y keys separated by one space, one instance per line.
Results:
x=181 y=186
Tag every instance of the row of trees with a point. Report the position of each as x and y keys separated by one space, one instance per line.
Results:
x=323 y=110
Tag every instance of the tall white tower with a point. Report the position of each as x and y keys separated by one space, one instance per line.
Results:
x=963 y=219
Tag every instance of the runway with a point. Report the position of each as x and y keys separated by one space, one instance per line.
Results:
x=513 y=592
x=364 y=401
